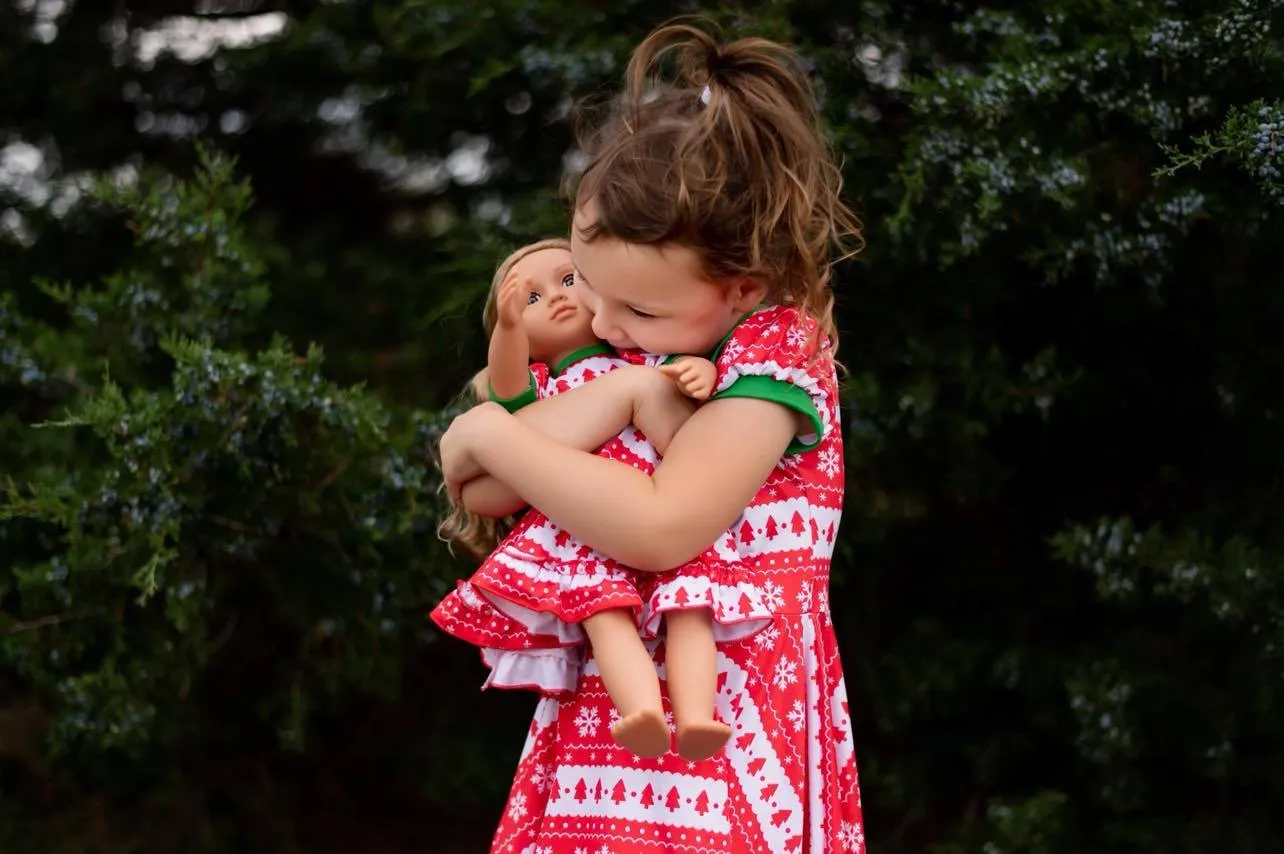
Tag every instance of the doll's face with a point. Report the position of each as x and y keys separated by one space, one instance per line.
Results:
x=556 y=322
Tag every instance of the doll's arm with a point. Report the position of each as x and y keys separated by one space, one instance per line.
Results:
x=583 y=418
x=695 y=376
x=508 y=360
x=651 y=523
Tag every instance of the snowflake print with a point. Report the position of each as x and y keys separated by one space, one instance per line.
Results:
x=828 y=463
x=786 y=673
x=767 y=637
x=587 y=721
x=517 y=806
x=540 y=777
x=668 y=719
x=786 y=679
x=852 y=837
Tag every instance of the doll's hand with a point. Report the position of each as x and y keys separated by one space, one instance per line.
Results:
x=512 y=300
x=458 y=464
x=694 y=376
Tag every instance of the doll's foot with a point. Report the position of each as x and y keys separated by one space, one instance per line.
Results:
x=645 y=733
x=702 y=740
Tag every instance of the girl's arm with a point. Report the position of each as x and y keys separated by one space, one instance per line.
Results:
x=582 y=419
x=714 y=467
x=490 y=497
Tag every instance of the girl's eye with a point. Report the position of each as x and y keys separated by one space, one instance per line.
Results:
x=568 y=280
x=532 y=299
x=642 y=314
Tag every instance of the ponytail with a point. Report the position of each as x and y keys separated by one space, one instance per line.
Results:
x=728 y=158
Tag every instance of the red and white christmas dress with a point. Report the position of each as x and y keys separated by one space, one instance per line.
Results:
x=786 y=783
x=523 y=605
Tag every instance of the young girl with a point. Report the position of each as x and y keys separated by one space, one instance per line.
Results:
x=540 y=591
x=700 y=200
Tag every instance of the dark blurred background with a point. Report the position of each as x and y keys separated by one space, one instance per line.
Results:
x=1058 y=587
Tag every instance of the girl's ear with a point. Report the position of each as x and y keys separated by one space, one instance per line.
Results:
x=745 y=293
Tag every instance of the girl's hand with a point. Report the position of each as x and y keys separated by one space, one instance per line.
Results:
x=458 y=463
x=512 y=300
x=694 y=376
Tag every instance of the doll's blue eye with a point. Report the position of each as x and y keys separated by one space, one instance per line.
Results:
x=532 y=299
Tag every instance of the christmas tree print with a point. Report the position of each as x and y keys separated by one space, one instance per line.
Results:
x=671 y=800
x=797 y=525
x=772 y=530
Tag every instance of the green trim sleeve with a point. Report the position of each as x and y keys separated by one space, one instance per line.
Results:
x=512 y=404
x=785 y=394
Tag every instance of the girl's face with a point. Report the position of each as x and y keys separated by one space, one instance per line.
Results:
x=654 y=298
x=555 y=320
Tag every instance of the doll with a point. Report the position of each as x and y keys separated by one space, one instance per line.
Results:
x=541 y=592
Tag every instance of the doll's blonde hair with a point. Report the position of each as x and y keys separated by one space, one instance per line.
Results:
x=479 y=535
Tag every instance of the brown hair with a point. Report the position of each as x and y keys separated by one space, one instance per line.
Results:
x=730 y=160
x=479 y=535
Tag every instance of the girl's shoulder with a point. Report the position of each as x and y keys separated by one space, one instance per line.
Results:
x=780 y=335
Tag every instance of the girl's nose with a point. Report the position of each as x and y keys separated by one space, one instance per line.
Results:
x=602 y=328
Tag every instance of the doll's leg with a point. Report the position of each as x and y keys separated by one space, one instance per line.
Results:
x=691 y=662
x=631 y=681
